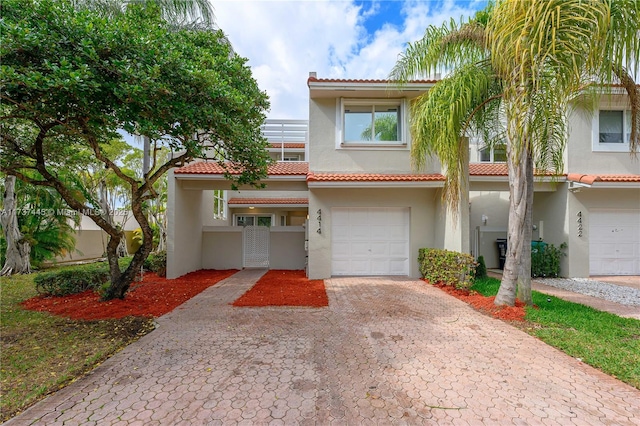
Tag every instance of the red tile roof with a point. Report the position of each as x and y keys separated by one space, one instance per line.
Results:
x=365 y=81
x=488 y=169
x=275 y=169
x=371 y=177
x=287 y=145
x=257 y=201
x=590 y=179
x=495 y=169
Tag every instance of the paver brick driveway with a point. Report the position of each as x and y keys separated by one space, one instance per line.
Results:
x=386 y=351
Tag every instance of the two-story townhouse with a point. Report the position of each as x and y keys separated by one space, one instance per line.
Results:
x=594 y=206
x=367 y=213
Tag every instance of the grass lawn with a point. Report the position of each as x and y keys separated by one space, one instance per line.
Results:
x=603 y=340
x=41 y=353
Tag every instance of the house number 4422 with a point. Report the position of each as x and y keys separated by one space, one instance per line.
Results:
x=579 y=214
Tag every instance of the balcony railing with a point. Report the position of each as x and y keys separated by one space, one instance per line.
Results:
x=287 y=135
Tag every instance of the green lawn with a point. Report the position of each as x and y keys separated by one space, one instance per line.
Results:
x=41 y=353
x=602 y=340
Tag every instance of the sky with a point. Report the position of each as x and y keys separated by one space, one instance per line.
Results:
x=348 y=39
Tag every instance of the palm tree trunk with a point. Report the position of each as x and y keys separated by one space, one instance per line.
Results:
x=516 y=277
x=17 y=258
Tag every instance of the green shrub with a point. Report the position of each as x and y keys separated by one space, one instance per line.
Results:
x=545 y=260
x=72 y=280
x=157 y=262
x=481 y=269
x=447 y=267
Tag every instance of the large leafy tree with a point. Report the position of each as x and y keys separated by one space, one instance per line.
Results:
x=74 y=77
x=514 y=71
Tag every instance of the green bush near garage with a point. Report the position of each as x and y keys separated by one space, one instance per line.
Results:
x=545 y=259
x=447 y=267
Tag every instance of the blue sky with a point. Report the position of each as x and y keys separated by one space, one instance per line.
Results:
x=285 y=40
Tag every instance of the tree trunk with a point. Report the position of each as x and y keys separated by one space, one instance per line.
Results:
x=516 y=277
x=17 y=259
x=121 y=281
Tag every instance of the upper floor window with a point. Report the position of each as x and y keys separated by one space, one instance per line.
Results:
x=289 y=157
x=612 y=130
x=495 y=154
x=372 y=123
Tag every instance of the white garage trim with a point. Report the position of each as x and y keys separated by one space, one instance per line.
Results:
x=370 y=241
x=614 y=242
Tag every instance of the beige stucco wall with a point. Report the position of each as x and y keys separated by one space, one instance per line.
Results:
x=222 y=248
x=286 y=249
x=325 y=157
x=184 y=229
x=422 y=203
x=579 y=155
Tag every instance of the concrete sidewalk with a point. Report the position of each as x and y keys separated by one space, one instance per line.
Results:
x=385 y=351
x=625 y=311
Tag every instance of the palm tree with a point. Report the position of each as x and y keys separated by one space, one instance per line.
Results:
x=44 y=230
x=520 y=62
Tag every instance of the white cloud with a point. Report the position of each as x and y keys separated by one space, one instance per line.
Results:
x=285 y=40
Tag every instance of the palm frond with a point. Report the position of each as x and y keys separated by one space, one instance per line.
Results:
x=438 y=122
x=440 y=48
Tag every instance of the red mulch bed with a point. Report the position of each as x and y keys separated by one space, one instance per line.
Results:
x=485 y=304
x=285 y=288
x=154 y=296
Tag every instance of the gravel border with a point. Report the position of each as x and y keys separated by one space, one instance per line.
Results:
x=611 y=292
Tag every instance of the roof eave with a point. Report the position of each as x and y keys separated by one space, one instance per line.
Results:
x=375 y=184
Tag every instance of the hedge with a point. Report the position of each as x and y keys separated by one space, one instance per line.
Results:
x=71 y=280
x=447 y=267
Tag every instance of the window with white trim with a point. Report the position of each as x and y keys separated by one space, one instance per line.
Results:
x=252 y=220
x=494 y=154
x=376 y=123
x=219 y=204
x=612 y=130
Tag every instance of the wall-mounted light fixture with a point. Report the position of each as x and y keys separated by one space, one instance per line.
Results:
x=485 y=218
x=319 y=213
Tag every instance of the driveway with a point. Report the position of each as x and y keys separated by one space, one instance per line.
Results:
x=386 y=351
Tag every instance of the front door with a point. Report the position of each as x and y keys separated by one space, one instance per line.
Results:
x=255 y=246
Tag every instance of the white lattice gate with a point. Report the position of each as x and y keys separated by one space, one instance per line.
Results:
x=255 y=246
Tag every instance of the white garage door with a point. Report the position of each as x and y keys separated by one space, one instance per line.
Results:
x=614 y=242
x=370 y=241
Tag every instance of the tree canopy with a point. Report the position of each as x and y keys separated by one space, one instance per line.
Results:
x=72 y=77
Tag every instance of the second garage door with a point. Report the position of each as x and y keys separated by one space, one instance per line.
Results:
x=370 y=241
x=614 y=242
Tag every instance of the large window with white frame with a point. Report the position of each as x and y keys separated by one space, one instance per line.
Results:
x=612 y=130
x=366 y=122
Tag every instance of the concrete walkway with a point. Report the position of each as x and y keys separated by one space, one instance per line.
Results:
x=386 y=351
